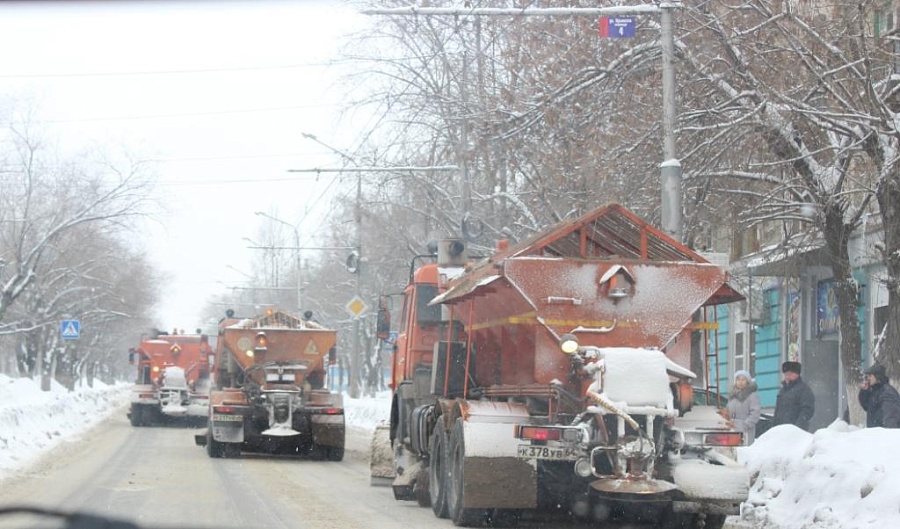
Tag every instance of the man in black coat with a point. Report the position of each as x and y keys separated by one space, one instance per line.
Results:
x=795 y=403
x=880 y=400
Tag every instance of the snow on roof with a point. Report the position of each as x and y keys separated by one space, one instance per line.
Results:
x=779 y=252
x=481 y=282
x=451 y=272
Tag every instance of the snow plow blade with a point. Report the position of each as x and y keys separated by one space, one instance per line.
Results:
x=381 y=458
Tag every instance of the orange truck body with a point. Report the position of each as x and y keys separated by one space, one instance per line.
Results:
x=172 y=378
x=269 y=393
x=490 y=413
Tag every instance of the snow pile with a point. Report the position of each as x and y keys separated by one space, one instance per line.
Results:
x=362 y=415
x=33 y=421
x=841 y=477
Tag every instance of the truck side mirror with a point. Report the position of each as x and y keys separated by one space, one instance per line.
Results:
x=383 y=324
x=131 y=356
x=211 y=359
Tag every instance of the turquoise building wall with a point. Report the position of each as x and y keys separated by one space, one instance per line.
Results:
x=767 y=364
x=720 y=338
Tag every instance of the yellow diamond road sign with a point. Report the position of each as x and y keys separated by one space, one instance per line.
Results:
x=356 y=306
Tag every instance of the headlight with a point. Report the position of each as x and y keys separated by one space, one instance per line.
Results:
x=568 y=344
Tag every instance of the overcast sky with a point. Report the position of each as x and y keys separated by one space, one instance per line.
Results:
x=218 y=91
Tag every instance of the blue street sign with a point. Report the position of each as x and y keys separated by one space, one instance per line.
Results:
x=616 y=27
x=70 y=329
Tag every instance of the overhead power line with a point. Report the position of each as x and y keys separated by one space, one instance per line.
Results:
x=183 y=115
x=163 y=72
x=399 y=168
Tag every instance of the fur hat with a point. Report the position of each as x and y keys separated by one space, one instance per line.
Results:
x=743 y=373
x=793 y=367
x=877 y=370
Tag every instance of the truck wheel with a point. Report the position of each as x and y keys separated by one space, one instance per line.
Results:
x=136 y=417
x=455 y=491
x=437 y=471
x=149 y=415
x=213 y=448
x=335 y=453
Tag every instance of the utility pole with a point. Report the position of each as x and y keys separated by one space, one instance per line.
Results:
x=670 y=168
x=356 y=347
x=297 y=263
x=356 y=360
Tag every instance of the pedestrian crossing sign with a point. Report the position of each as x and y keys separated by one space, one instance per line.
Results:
x=70 y=329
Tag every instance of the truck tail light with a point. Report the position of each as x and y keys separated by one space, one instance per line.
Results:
x=146 y=395
x=328 y=411
x=539 y=433
x=723 y=439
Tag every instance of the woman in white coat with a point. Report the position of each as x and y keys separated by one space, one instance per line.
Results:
x=743 y=406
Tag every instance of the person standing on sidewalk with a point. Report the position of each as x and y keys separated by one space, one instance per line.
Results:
x=743 y=406
x=795 y=403
x=880 y=400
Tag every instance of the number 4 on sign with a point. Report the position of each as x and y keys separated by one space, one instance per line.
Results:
x=616 y=27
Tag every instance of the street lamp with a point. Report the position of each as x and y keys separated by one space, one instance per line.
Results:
x=296 y=254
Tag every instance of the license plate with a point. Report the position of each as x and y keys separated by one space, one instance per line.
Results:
x=546 y=452
x=227 y=418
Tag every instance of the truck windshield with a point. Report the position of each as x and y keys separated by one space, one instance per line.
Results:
x=427 y=315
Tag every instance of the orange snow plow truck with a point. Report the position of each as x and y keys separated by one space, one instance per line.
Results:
x=549 y=377
x=269 y=394
x=172 y=378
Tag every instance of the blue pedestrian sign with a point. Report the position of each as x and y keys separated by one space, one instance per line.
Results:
x=70 y=329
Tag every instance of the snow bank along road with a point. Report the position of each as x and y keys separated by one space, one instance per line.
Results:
x=157 y=477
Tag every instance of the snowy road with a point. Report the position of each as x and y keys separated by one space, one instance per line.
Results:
x=159 y=478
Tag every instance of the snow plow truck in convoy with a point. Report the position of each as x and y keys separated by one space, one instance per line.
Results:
x=268 y=394
x=172 y=378
x=549 y=376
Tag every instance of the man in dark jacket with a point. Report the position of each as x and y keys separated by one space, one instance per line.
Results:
x=880 y=400
x=795 y=403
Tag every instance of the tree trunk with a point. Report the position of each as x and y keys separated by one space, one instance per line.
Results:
x=888 y=195
x=837 y=235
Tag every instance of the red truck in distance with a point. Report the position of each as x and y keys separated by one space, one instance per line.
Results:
x=172 y=378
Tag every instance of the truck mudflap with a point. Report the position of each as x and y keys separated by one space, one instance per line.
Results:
x=495 y=477
x=227 y=423
x=499 y=483
x=328 y=429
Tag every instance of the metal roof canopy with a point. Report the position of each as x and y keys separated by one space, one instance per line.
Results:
x=608 y=233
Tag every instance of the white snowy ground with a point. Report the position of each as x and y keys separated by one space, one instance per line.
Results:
x=32 y=421
x=838 y=478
